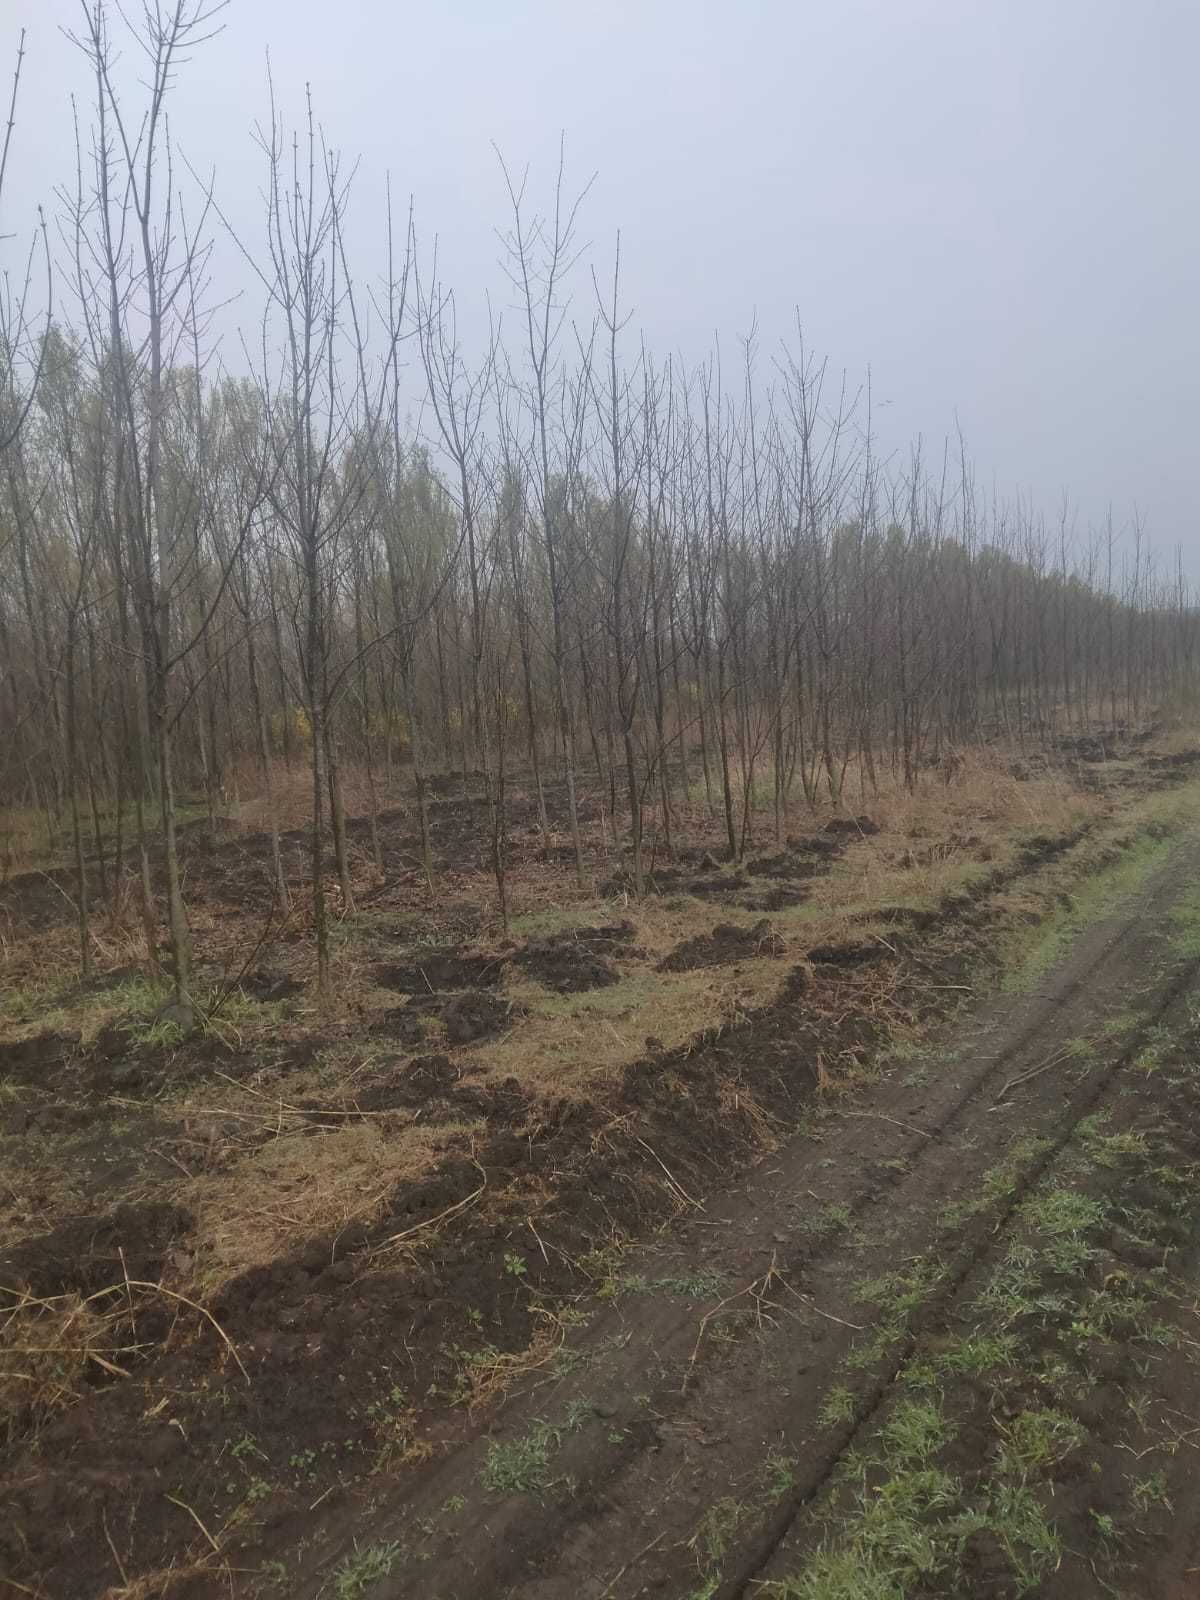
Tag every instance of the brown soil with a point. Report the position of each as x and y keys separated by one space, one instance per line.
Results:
x=438 y=971
x=846 y=955
x=726 y=943
x=87 y=1253
x=571 y=963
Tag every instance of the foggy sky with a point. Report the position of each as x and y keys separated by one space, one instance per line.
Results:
x=993 y=203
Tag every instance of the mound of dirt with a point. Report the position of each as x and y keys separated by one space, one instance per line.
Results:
x=846 y=955
x=851 y=827
x=436 y=1087
x=412 y=1085
x=725 y=944
x=31 y=1060
x=821 y=844
x=570 y=963
x=470 y=1017
x=1086 y=747
x=441 y=970
x=804 y=859
x=88 y=1253
x=1180 y=759
x=778 y=898
x=719 y=883
x=405 y=1024
x=662 y=880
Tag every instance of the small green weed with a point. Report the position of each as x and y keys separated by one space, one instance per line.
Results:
x=700 y=1285
x=838 y=1406
x=366 y=1565
x=522 y=1466
x=1152 y=1491
x=1037 y=1440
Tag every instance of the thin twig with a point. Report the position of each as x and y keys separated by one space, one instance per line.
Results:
x=878 y=1116
x=113 y=1548
x=671 y=1179
x=806 y=1299
x=1033 y=1072
x=283 y=1105
x=459 y=1205
x=158 y=1288
x=644 y=1551
x=183 y=1506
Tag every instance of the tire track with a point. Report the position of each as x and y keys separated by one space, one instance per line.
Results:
x=990 y=1227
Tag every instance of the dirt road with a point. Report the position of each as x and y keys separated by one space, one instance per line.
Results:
x=943 y=1343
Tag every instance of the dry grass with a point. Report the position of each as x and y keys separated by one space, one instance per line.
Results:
x=930 y=843
x=46 y=1349
x=275 y=1182
x=278 y=1197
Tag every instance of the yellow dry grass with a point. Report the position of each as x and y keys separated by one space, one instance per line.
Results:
x=277 y=1197
x=46 y=1349
x=262 y=1200
x=931 y=842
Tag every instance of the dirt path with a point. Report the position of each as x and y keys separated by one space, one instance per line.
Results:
x=728 y=1416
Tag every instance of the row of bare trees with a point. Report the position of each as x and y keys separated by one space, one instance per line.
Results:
x=385 y=546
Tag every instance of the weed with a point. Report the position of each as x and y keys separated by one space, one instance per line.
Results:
x=1030 y=1541
x=777 y=1475
x=623 y=1283
x=716 y=1530
x=522 y=1466
x=838 y=1406
x=899 y=1294
x=1037 y=1440
x=365 y=1566
x=914 y=1432
x=1106 y=1526
x=1151 y=1491
x=699 y=1285
x=868 y=1353
x=831 y=1219
x=1063 y=1218
x=978 y=1353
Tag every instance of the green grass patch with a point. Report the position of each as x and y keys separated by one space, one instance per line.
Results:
x=523 y=1465
x=366 y=1565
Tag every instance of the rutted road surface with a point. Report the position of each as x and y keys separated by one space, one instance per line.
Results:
x=723 y=1420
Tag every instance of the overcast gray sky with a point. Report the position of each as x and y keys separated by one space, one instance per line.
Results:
x=991 y=202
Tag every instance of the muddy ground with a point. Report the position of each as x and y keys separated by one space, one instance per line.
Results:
x=798 y=1303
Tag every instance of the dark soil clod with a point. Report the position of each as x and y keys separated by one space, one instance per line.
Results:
x=441 y=970
x=850 y=827
x=470 y=1017
x=571 y=963
x=89 y=1253
x=28 y=1060
x=846 y=955
x=402 y=1023
x=725 y=944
